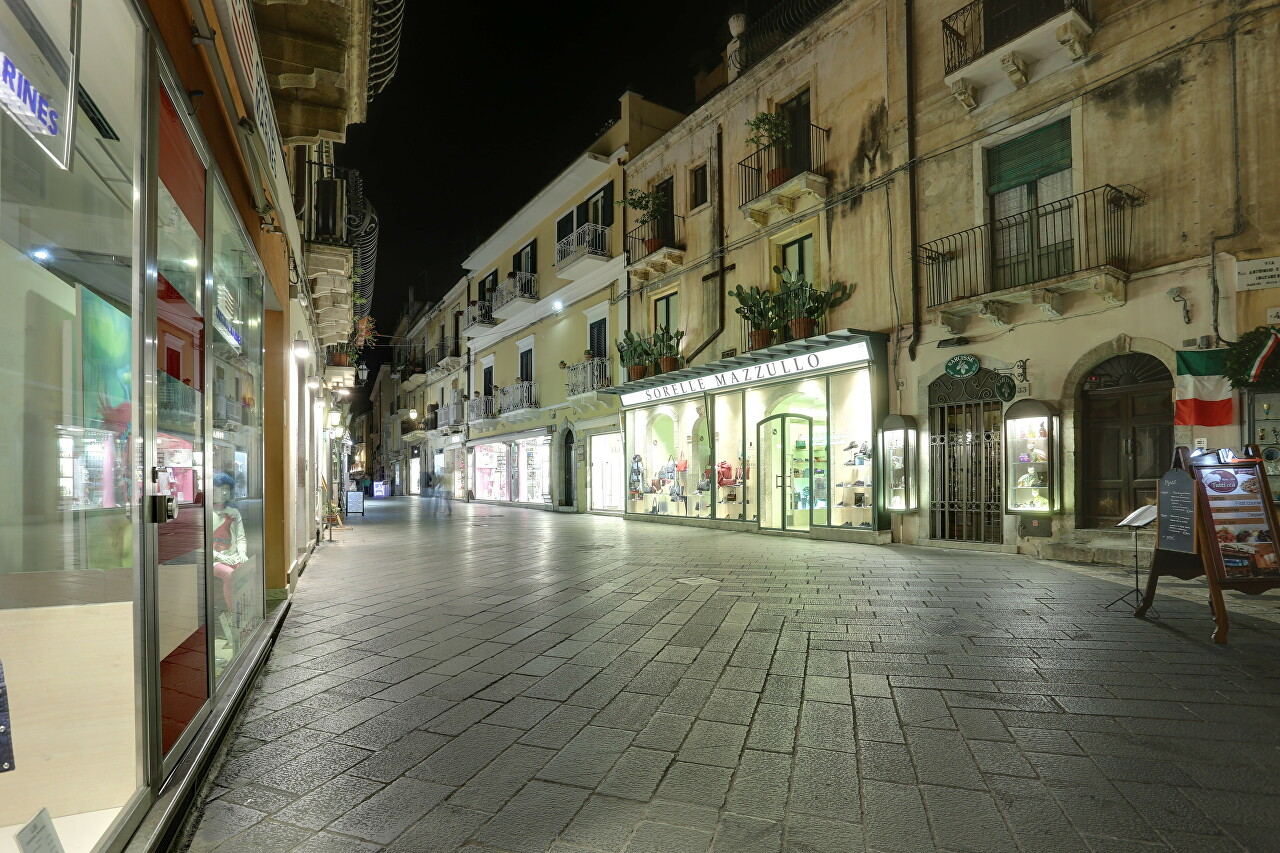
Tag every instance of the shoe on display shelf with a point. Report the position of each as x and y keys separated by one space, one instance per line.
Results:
x=852 y=445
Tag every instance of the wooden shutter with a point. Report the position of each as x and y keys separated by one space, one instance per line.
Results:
x=488 y=381
x=1028 y=158
x=584 y=214
x=564 y=226
x=526 y=365
x=533 y=256
x=607 y=215
x=596 y=338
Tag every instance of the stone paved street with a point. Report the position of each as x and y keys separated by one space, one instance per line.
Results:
x=511 y=680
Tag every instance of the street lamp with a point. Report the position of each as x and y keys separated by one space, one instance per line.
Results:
x=301 y=349
x=362 y=373
x=335 y=417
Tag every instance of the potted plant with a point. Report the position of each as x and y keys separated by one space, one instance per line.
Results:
x=649 y=207
x=635 y=355
x=760 y=309
x=666 y=348
x=805 y=305
x=772 y=130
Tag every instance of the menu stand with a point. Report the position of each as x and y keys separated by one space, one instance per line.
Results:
x=1139 y=519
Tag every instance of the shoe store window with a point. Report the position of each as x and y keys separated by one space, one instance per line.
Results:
x=787 y=455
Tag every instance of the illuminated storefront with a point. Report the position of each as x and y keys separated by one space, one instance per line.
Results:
x=515 y=470
x=774 y=440
x=608 y=472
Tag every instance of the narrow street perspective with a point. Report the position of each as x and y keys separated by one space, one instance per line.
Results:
x=512 y=680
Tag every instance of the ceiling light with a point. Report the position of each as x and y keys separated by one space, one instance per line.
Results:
x=557 y=306
x=41 y=254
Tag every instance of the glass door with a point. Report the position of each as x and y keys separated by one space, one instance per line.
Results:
x=786 y=485
x=177 y=329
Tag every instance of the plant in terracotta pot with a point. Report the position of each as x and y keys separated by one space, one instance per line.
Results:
x=760 y=309
x=635 y=354
x=803 y=305
x=772 y=131
x=650 y=206
x=666 y=348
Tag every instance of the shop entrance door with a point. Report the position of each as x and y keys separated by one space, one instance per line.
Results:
x=965 y=440
x=785 y=486
x=1127 y=436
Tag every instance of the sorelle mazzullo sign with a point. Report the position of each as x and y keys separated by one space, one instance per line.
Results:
x=752 y=374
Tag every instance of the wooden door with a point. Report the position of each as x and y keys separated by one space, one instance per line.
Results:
x=1127 y=442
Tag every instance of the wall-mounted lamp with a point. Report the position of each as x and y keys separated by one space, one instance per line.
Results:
x=301 y=349
x=362 y=373
x=335 y=418
x=1175 y=293
x=314 y=383
x=413 y=414
x=342 y=391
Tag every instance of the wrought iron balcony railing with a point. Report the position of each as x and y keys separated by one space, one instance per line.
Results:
x=777 y=163
x=440 y=350
x=522 y=395
x=1080 y=232
x=522 y=285
x=451 y=415
x=481 y=408
x=665 y=232
x=590 y=239
x=766 y=33
x=585 y=376
x=980 y=27
x=479 y=314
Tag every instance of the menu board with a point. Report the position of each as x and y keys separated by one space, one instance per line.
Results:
x=1177 y=502
x=355 y=502
x=1239 y=521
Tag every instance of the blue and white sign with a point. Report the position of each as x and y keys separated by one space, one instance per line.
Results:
x=38 y=70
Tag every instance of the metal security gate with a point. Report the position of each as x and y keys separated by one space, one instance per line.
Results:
x=965 y=457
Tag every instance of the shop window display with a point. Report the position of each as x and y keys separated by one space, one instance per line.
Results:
x=731 y=473
x=71 y=525
x=533 y=456
x=791 y=419
x=493 y=478
x=853 y=469
x=607 y=472
x=1030 y=435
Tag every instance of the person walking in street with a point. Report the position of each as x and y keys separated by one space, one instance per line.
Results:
x=441 y=493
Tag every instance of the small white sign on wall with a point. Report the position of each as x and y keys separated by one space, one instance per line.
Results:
x=39 y=836
x=1257 y=274
x=1273 y=315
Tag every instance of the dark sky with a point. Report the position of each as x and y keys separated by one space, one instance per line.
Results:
x=491 y=101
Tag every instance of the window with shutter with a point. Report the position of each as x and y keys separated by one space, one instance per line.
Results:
x=564 y=226
x=1029 y=186
x=487 y=382
x=597 y=338
x=526 y=365
x=666 y=311
x=698 y=186
x=487 y=285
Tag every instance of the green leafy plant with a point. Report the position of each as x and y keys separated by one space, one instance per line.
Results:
x=649 y=206
x=760 y=308
x=666 y=344
x=634 y=350
x=1241 y=356
x=769 y=129
x=803 y=300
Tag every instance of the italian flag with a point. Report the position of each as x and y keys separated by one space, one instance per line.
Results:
x=1203 y=392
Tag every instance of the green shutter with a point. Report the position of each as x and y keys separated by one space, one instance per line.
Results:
x=1027 y=158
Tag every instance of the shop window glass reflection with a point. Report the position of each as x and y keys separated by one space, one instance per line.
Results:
x=492 y=477
x=70 y=520
x=731 y=473
x=853 y=492
x=236 y=534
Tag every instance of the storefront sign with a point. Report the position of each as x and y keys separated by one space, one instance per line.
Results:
x=1257 y=274
x=1006 y=388
x=753 y=374
x=38 y=68
x=962 y=366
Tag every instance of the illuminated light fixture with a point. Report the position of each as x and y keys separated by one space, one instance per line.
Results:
x=413 y=414
x=41 y=254
x=342 y=391
x=362 y=373
x=557 y=306
x=313 y=383
x=335 y=418
x=301 y=349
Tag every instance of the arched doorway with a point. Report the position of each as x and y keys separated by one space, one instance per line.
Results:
x=1126 y=437
x=568 y=495
x=966 y=430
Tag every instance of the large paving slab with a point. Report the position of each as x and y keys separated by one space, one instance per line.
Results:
x=532 y=682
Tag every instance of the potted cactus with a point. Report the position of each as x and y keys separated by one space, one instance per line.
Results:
x=634 y=352
x=666 y=348
x=760 y=309
x=803 y=305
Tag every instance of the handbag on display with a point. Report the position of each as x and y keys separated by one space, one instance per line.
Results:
x=704 y=485
x=732 y=496
x=682 y=464
x=724 y=474
x=668 y=471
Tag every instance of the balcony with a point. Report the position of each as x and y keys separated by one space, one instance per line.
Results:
x=444 y=356
x=791 y=303
x=413 y=432
x=1079 y=243
x=451 y=418
x=992 y=49
x=518 y=291
x=583 y=252
x=478 y=319
x=656 y=247
x=519 y=402
x=481 y=413
x=777 y=175
x=339 y=374
x=412 y=375
x=583 y=380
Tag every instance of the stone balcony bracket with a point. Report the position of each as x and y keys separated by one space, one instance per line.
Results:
x=784 y=197
x=966 y=93
x=1015 y=68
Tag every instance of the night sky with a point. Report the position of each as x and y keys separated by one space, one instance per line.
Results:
x=491 y=101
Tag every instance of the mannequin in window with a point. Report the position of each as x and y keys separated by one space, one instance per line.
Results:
x=229 y=545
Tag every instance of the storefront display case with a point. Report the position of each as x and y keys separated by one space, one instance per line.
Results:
x=1031 y=441
x=1262 y=427
x=898 y=462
